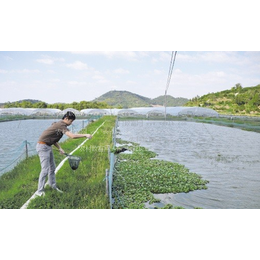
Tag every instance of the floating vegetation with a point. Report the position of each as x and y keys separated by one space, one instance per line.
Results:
x=139 y=175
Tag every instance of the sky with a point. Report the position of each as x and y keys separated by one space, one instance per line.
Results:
x=67 y=76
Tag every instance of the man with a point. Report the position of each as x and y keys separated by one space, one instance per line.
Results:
x=49 y=137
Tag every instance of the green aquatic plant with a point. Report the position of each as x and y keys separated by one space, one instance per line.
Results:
x=139 y=175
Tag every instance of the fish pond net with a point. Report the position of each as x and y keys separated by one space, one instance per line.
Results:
x=198 y=112
x=74 y=162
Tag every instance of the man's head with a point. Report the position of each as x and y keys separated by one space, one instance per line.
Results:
x=69 y=117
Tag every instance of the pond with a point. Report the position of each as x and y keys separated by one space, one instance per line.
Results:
x=228 y=158
x=14 y=133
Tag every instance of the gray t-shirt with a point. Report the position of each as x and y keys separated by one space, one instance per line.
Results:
x=54 y=133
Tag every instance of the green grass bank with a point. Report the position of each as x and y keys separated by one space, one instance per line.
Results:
x=83 y=188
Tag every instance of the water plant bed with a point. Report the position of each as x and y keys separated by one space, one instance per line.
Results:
x=139 y=175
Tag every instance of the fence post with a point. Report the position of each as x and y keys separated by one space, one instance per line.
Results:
x=26 y=149
x=110 y=178
x=107 y=172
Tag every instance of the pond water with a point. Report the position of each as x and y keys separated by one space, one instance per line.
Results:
x=228 y=158
x=14 y=133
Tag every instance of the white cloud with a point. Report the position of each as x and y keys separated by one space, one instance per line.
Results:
x=229 y=57
x=165 y=56
x=26 y=71
x=49 y=60
x=8 y=83
x=78 y=65
x=128 y=55
x=8 y=58
x=54 y=80
x=100 y=79
x=220 y=57
x=158 y=72
x=130 y=82
x=121 y=71
x=77 y=83
x=20 y=71
x=46 y=61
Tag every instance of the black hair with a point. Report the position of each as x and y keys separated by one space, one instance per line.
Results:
x=69 y=115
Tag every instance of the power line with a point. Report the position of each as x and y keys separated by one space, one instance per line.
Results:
x=173 y=57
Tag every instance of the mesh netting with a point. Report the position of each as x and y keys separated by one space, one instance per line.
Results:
x=198 y=111
x=142 y=111
x=29 y=111
x=74 y=162
x=127 y=112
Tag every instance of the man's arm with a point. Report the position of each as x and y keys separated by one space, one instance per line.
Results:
x=75 y=136
x=60 y=149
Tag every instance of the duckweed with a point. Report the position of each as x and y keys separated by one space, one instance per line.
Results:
x=139 y=175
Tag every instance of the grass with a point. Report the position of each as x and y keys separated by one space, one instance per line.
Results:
x=83 y=188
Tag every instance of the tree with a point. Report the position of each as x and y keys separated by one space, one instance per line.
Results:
x=41 y=105
x=238 y=87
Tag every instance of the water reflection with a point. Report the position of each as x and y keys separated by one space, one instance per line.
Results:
x=227 y=157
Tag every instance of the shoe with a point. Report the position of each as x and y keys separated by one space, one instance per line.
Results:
x=58 y=190
x=55 y=188
x=40 y=193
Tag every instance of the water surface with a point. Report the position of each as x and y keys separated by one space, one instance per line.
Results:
x=228 y=158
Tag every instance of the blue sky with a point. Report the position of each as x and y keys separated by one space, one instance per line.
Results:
x=54 y=76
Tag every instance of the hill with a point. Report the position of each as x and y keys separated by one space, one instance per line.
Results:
x=123 y=99
x=20 y=103
x=237 y=100
x=126 y=99
x=171 y=101
x=26 y=103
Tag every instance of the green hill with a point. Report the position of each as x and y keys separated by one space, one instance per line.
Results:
x=126 y=99
x=26 y=103
x=171 y=101
x=237 y=100
x=123 y=99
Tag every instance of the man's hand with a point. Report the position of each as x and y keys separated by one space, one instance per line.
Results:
x=88 y=136
x=61 y=151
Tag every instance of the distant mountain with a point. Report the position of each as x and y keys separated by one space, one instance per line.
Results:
x=30 y=100
x=123 y=99
x=171 y=101
x=26 y=103
x=33 y=101
x=126 y=99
